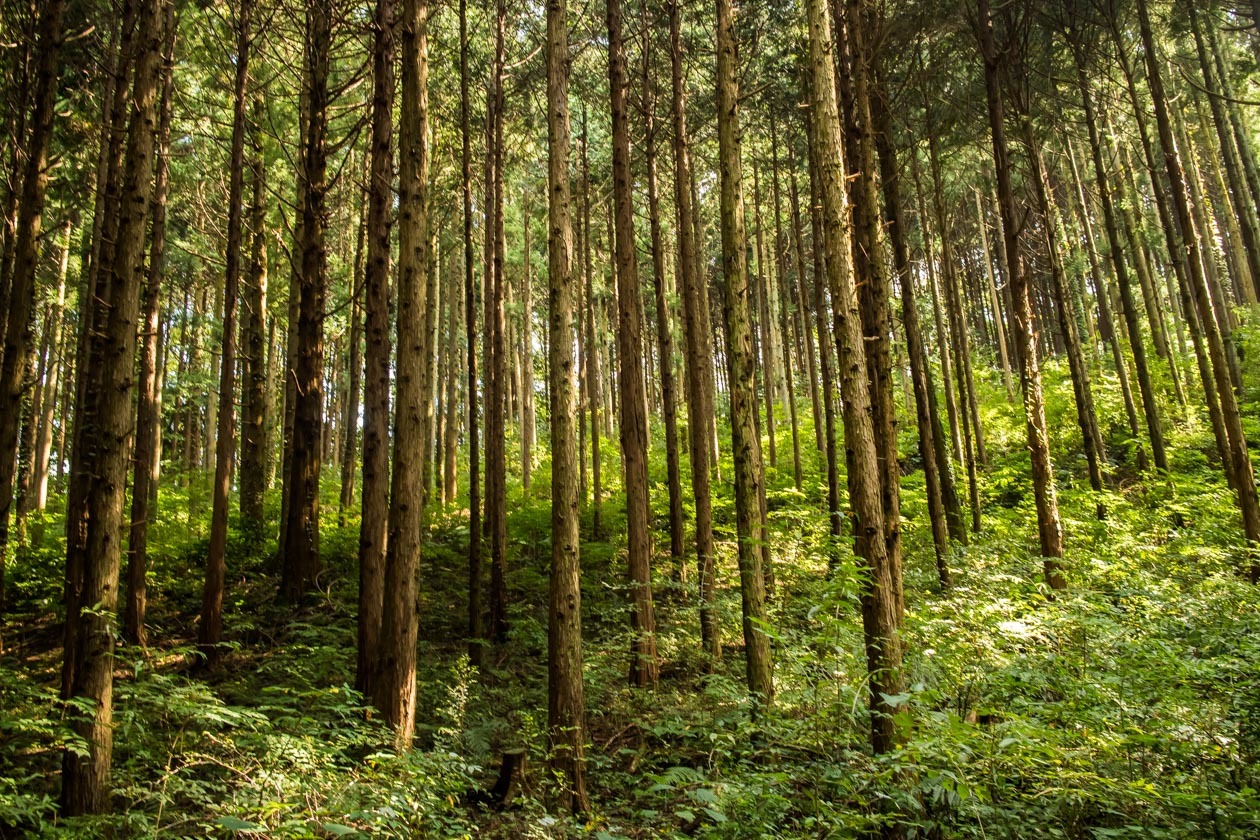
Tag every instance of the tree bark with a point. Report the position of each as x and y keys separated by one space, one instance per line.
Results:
x=741 y=361
x=880 y=618
x=1111 y=222
x=254 y=440
x=301 y=553
x=699 y=355
x=144 y=481
x=1049 y=525
x=644 y=663
x=591 y=356
x=470 y=331
x=349 y=460
x=18 y=336
x=565 y=704
x=210 y=630
x=1239 y=458
x=664 y=335
x=373 y=525
x=933 y=453
x=106 y=419
x=395 y=691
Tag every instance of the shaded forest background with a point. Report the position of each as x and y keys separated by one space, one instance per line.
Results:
x=643 y=419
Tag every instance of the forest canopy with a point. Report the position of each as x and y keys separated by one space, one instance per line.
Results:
x=647 y=418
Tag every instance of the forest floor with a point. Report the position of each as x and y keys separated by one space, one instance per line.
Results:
x=1128 y=706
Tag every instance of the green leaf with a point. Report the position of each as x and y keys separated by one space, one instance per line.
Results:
x=238 y=824
x=716 y=816
x=894 y=700
x=338 y=830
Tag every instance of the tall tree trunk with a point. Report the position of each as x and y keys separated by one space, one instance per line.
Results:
x=1049 y=525
x=565 y=704
x=354 y=377
x=1082 y=389
x=1239 y=458
x=54 y=377
x=960 y=347
x=373 y=526
x=470 y=333
x=664 y=336
x=494 y=345
x=803 y=299
x=301 y=555
x=1149 y=408
x=210 y=630
x=106 y=419
x=148 y=409
x=762 y=320
x=994 y=301
x=699 y=355
x=780 y=261
x=527 y=354
x=450 y=428
x=740 y=362
x=644 y=664
x=942 y=332
x=821 y=312
x=591 y=356
x=19 y=335
x=937 y=478
x=395 y=688
x=880 y=619
x=254 y=440
x=872 y=274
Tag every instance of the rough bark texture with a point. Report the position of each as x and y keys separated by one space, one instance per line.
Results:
x=644 y=663
x=740 y=362
x=1049 y=526
x=210 y=630
x=470 y=331
x=880 y=618
x=931 y=453
x=254 y=440
x=18 y=335
x=148 y=406
x=300 y=555
x=395 y=690
x=871 y=266
x=565 y=704
x=106 y=421
x=664 y=336
x=699 y=355
x=373 y=526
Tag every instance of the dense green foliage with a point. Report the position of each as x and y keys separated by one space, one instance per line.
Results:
x=1127 y=707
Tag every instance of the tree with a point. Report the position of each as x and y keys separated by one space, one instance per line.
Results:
x=106 y=420
x=699 y=380
x=1049 y=526
x=1239 y=458
x=740 y=361
x=565 y=705
x=373 y=527
x=210 y=631
x=396 y=681
x=300 y=550
x=20 y=312
x=880 y=618
x=634 y=437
